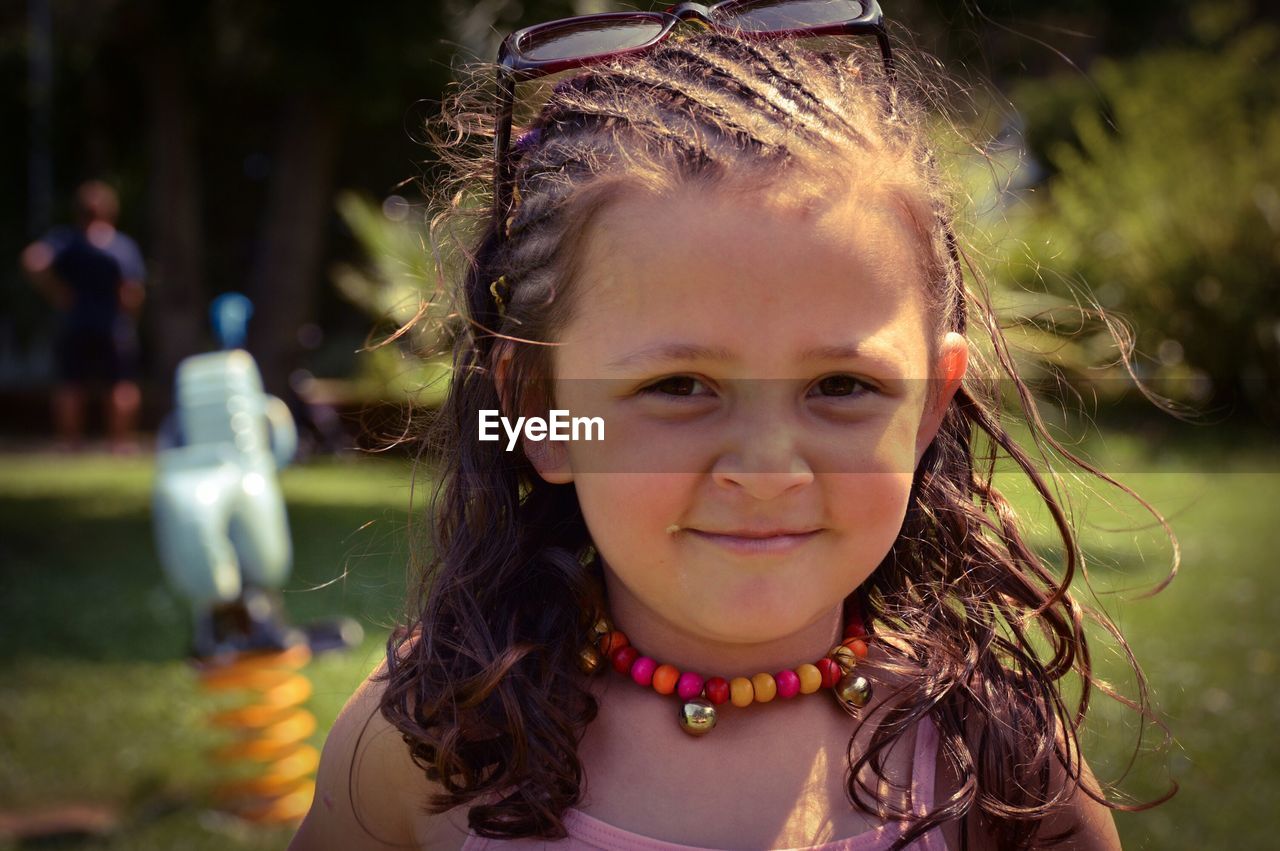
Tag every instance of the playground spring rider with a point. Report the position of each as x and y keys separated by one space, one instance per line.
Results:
x=223 y=539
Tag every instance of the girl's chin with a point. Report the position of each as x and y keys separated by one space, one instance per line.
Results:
x=721 y=600
x=754 y=626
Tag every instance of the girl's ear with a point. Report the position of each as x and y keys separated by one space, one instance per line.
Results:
x=953 y=359
x=501 y=360
x=549 y=458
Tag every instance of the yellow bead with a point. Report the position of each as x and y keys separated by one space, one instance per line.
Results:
x=810 y=678
x=766 y=688
x=741 y=692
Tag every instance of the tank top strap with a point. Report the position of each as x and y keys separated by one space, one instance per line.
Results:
x=924 y=779
x=924 y=768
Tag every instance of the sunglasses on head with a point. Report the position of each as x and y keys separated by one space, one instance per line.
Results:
x=576 y=42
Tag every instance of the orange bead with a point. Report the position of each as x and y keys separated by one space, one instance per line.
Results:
x=857 y=645
x=766 y=688
x=810 y=678
x=613 y=641
x=665 y=678
x=741 y=692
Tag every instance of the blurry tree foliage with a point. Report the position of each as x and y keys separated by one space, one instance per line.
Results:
x=408 y=352
x=1166 y=205
x=231 y=127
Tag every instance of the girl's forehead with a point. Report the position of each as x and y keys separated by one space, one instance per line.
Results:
x=851 y=229
x=754 y=276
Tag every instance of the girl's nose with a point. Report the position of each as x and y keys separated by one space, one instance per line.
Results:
x=764 y=461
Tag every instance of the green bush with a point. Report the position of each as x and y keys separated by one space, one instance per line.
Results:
x=1166 y=204
x=406 y=358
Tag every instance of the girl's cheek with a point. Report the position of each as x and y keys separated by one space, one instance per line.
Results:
x=875 y=494
x=632 y=445
x=630 y=513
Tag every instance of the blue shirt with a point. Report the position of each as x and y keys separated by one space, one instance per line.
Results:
x=94 y=275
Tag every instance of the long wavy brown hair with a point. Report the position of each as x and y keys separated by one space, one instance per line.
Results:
x=482 y=678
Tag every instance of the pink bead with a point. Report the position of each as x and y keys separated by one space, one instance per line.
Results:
x=642 y=670
x=788 y=683
x=689 y=685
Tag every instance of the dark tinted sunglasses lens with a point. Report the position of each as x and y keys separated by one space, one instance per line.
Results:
x=778 y=15
x=590 y=38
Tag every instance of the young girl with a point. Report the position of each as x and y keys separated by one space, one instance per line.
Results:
x=780 y=604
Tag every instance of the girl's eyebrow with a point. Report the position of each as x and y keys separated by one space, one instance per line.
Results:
x=671 y=351
x=692 y=351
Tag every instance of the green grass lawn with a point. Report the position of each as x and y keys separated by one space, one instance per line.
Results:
x=97 y=705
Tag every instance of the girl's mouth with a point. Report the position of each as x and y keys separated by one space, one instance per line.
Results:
x=770 y=544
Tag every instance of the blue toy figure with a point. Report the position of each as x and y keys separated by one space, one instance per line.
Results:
x=220 y=522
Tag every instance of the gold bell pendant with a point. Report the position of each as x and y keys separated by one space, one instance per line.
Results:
x=845 y=658
x=853 y=692
x=589 y=660
x=697 y=717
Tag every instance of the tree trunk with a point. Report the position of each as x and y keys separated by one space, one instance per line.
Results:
x=286 y=271
x=176 y=314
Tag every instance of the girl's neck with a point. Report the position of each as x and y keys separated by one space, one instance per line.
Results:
x=655 y=636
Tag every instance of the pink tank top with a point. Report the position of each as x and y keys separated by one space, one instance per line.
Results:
x=591 y=834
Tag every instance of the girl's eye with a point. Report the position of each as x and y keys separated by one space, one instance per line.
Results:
x=845 y=385
x=837 y=386
x=675 y=385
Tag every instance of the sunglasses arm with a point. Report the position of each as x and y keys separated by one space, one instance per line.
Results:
x=882 y=40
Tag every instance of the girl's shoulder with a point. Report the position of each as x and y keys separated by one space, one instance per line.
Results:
x=369 y=792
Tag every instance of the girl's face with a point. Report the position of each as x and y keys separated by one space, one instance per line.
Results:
x=715 y=336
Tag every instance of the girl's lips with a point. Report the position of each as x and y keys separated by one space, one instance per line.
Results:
x=750 y=546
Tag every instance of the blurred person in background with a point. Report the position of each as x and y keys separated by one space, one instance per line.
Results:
x=93 y=275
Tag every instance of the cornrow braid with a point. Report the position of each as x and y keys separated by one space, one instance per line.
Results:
x=648 y=101
x=765 y=79
x=692 y=108
x=709 y=102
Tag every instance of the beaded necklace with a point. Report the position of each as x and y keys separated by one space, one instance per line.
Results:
x=699 y=697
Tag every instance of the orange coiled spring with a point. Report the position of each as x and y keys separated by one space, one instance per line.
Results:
x=272 y=735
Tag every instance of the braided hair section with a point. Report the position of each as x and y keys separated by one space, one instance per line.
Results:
x=708 y=108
